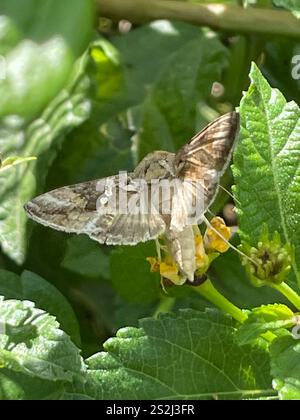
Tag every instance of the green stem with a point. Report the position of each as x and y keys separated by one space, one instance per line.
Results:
x=165 y=305
x=222 y=17
x=208 y=291
x=289 y=293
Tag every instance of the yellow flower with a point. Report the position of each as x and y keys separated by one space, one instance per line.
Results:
x=167 y=269
x=212 y=241
x=154 y=264
x=206 y=250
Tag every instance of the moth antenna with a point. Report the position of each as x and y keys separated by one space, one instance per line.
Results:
x=227 y=242
x=229 y=193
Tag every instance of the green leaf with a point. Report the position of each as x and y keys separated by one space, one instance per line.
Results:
x=263 y=319
x=78 y=161
x=46 y=43
x=266 y=165
x=193 y=355
x=285 y=367
x=292 y=5
x=41 y=138
x=32 y=343
x=159 y=40
x=72 y=396
x=12 y=161
x=19 y=386
x=175 y=107
x=107 y=138
x=30 y=286
x=131 y=275
x=40 y=21
x=106 y=70
x=282 y=50
x=86 y=258
x=127 y=312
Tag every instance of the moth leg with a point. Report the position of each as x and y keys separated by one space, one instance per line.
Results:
x=158 y=249
x=162 y=285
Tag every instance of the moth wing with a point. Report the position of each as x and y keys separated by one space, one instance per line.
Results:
x=188 y=204
x=183 y=250
x=204 y=159
x=75 y=209
x=127 y=229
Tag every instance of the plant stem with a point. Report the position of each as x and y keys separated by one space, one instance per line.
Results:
x=165 y=305
x=208 y=291
x=231 y=18
x=289 y=293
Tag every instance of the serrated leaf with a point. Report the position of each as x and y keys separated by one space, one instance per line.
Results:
x=285 y=367
x=30 y=286
x=266 y=165
x=192 y=355
x=32 y=343
x=263 y=319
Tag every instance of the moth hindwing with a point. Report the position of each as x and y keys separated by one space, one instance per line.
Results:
x=165 y=194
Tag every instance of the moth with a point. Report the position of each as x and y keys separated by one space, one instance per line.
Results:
x=166 y=194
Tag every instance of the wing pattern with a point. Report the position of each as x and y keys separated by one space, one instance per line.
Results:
x=95 y=207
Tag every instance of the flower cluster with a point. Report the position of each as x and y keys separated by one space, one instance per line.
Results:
x=207 y=248
x=270 y=260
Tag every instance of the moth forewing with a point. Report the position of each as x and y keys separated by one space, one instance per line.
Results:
x=200 y=164
x=207 y=155
x=114 y=211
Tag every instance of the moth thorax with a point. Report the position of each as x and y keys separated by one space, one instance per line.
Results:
x=156 y=165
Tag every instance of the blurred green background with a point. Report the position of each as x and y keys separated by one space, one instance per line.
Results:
x=89 y=94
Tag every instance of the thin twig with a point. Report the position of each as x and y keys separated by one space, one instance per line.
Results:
x=230 y=18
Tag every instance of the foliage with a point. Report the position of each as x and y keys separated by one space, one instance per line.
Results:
x=267 y=156
x=79 y=320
